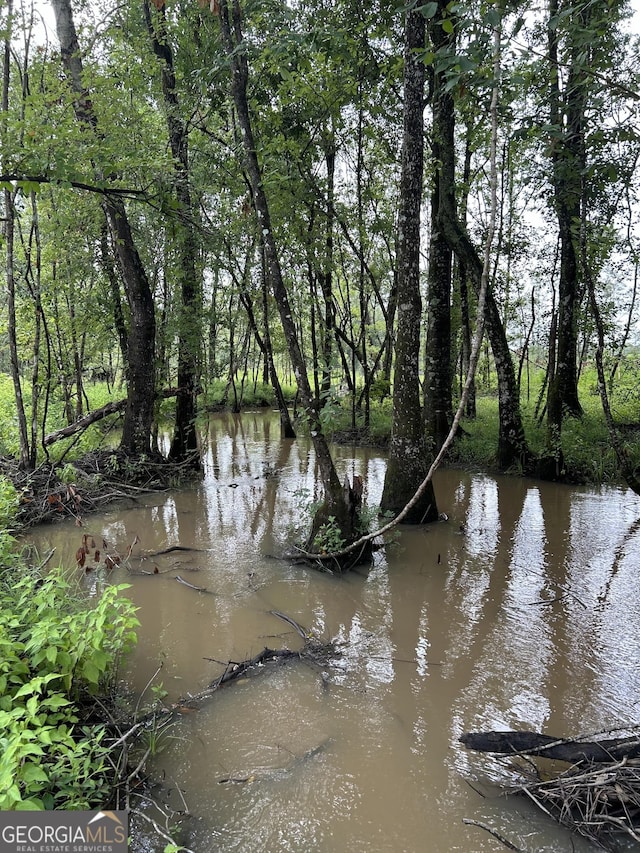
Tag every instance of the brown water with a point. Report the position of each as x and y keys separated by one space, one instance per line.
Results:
x=521 y=610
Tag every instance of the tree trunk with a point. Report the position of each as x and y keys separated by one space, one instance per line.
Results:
x=136 y=433
x=568 y=164
x=408 y=456
x=184 y=445
x=326 y=279
x=437 y=383
x=337 y=504
x=463 y=283
x=547 y=746
x=106 y=258
x=9 y=234
x=512 y=444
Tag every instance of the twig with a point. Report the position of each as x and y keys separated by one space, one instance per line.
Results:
x=493 y=832
x=146 y=687
x=190 y=585
x=160 y=831
x=302 y=632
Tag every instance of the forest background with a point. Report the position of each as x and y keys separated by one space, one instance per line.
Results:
x=137 y=262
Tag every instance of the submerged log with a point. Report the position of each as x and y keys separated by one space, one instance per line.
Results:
x=569 y=750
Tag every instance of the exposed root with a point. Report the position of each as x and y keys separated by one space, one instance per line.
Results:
x=53 y=492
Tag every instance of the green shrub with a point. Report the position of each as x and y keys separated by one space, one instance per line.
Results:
x=55 y=649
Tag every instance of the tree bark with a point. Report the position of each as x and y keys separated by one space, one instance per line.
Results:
x=136 y=433
x=184 y=444
x=568 y=164
x=438 y=374
x=408 y=454
x=512 y=444
x=9 y=234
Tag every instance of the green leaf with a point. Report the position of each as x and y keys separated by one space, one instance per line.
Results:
x=33 y=805
x=33 y=773
x=428 y=10
x=91 y=672
x=54 y=702
x=29 y=187
x=447 y=25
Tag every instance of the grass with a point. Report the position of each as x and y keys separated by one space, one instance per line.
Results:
x=588 y=454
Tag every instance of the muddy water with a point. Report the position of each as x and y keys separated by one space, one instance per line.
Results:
x=522 y=610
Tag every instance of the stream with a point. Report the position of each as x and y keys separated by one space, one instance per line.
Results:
x=520 y=610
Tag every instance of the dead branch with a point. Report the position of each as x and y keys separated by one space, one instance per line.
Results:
x=493 y=832
x=598 y=796
x=83 y=423
x=302 y=632
x=569 y=750
x=192 y=586
x=173 y=548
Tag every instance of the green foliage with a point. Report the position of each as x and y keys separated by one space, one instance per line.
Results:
x=328 y=539
x=8 y=503
x=54 y=648
x=588 y=455
x=8 y=419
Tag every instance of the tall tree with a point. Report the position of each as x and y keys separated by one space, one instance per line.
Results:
x=512 y=445
x=438 y=378
x=185 y=441
x=408 y=453
x=568 y=160
x=136 y=433
x=340 y=504
x=9 y=235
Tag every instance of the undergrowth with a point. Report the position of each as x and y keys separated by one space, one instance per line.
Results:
x=57 y=652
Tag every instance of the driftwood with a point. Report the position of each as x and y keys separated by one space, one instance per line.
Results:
x=192 y=586
x=313 y=651
x=560 y=749
x=597 y=796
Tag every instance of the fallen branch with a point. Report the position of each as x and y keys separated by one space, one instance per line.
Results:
x=598 y=795
x=493 y=832
x=174 y=548
x=83 y=423
x=569 y=750
x=191 y=585
x=313 y=651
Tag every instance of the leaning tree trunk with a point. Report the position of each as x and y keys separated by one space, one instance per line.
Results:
x=184 y=445
x=340 y=504
x=512 y=443
x=408 y=455
x=136 y=433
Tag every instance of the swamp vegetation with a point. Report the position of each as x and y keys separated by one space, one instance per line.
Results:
x=398 y=224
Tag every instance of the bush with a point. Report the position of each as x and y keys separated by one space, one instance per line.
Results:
x=55 y=650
